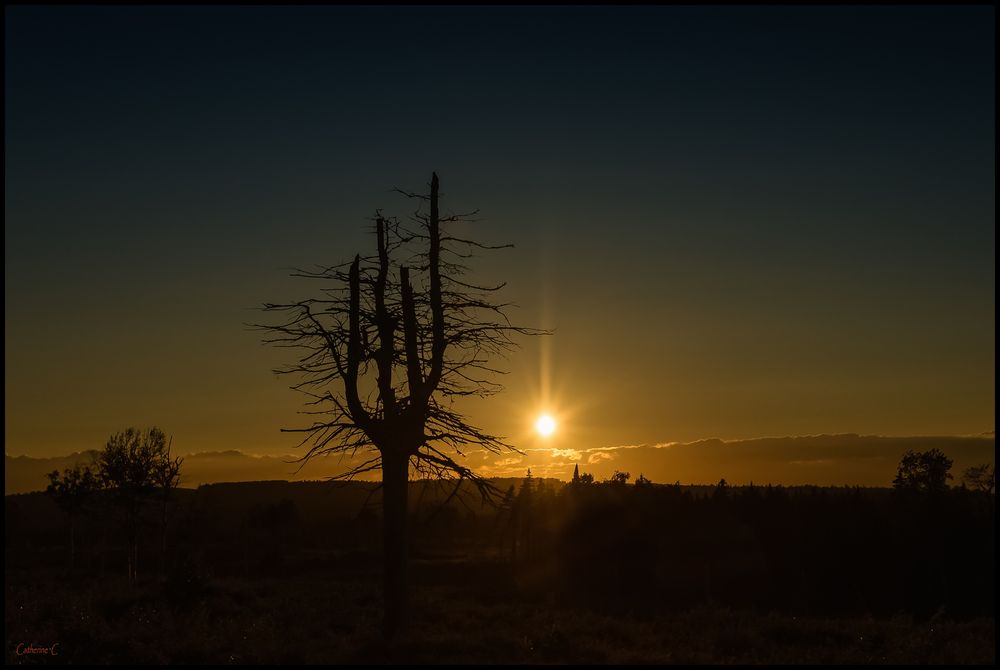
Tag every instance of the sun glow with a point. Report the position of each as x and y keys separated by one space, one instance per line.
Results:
x=545 y=425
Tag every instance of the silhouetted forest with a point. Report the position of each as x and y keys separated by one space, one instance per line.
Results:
x=611 y=551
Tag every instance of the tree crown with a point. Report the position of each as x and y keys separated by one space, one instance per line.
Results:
x=394 y=340
x=923 y=472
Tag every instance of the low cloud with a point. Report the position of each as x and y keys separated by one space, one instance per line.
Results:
x=617 y=448
x=507 y=461
x=826 y=460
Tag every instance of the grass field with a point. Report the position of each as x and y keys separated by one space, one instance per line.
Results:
x=335 y=619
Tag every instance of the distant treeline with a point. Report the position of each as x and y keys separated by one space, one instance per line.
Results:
x=632 y=547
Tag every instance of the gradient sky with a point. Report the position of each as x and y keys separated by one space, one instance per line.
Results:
x=740 y=222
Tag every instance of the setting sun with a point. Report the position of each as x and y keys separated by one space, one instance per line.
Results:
x=545 y=425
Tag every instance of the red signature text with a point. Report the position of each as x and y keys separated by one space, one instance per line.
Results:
x=25 y=649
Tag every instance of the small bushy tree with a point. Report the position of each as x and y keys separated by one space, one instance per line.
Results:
x=923 y=472
x=619 y=478
x=134 y=465
x=72 y=491
x=980 y=477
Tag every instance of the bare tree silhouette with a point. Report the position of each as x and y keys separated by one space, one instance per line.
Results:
x=166 y=479
x=385 y=355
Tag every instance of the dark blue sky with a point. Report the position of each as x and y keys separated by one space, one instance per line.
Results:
x=741 y=221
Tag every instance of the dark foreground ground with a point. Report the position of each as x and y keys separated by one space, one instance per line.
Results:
x=273 y=572
x=335 y=619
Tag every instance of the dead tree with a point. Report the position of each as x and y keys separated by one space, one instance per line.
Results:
x=386 y=350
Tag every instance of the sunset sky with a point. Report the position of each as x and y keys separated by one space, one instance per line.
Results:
x=739 y=222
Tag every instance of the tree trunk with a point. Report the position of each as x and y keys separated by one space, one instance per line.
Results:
x=128 y=553
x=133 y=544
x=72 y=542
x=395 y=476
x=163 y=540
x=131 y=559
x=128 y=546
